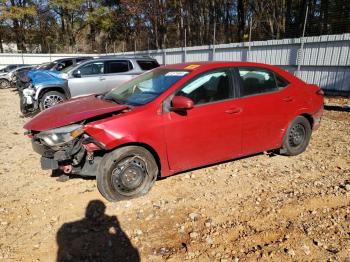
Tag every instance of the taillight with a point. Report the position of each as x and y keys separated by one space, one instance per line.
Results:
x=320 y=92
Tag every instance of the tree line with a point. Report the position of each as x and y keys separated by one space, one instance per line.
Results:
x=124 y=25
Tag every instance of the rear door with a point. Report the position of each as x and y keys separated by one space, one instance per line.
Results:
x=211 y=130
x=263 y=115
x=117 y=72
x=87 y=79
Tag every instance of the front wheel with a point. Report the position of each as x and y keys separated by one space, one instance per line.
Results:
x=51 y=98
x=126 y=173
x=4 y=84
x=297 y=137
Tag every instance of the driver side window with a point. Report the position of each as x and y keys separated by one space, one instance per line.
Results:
x=208 y=88
x=95 y=68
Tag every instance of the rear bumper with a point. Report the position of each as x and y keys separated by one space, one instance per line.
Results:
x=317 y=116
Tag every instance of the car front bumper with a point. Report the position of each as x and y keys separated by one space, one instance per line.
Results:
x=72 y=155
x=28 y=102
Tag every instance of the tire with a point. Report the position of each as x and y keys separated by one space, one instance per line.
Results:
x=297 y=137
x=4 y=84
x=50 y=99
x=126 y=173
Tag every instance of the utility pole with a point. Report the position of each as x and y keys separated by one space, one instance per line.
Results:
x=50 y=52
x=148 y=45
x=134 y=46
x=250 y=38
x=185 y=47
x=301 y=53
x=214 y=40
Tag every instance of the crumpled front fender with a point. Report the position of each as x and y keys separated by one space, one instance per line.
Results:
x=109 y=139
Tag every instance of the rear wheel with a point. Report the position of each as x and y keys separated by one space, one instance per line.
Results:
x=51 y=98
x=297 y=137
x=126 y=173
x=4 y=84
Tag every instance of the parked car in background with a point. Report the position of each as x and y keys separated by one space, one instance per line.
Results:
x=21 y=79
x=56 y=65
x=17 y=73
x=176 y=118
x=10 y=67
x=5 y=78
x=94 y=76
x=63 y=63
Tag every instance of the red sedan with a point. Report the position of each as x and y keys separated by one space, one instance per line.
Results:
x=176 y=118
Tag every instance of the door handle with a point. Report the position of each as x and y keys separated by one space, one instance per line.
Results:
x=236 y=110
x=102 y=78
x=288 y=99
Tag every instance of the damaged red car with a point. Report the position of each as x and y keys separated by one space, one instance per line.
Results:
x=175 y=118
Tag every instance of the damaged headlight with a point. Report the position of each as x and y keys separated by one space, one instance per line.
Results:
x=28 y=92
x=62 y=135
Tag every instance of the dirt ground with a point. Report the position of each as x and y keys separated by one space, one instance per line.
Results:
x=271 y=208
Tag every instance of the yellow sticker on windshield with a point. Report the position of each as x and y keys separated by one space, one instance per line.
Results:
x=192 y=66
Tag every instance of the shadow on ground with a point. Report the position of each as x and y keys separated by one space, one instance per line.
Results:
x=338 y=108
x=96 y=237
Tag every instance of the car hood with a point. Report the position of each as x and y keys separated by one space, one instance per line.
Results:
x=45 y=76
x=72 y=111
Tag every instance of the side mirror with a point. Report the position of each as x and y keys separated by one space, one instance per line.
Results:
x=181 y=103
x=77 y=74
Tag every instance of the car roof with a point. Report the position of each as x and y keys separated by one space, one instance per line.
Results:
x=71 y=58
x=203 y=66
x=138 y=57
x=207 y=65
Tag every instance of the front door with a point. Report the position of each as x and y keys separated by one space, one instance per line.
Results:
x=90 y=79
x=209 y=132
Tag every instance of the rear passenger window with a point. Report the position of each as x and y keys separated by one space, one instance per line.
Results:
x=257 y=81
x=281 y=82
x=147 y=65
x=118 y=66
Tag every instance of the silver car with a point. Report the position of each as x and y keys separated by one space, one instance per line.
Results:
x=94 y=76
x=8 y=72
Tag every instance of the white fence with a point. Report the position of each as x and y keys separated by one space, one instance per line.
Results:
x=325 y=60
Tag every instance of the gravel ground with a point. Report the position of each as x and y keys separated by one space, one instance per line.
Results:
x=263 y=207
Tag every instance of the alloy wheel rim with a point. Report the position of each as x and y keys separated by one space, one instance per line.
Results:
x=52 y=100
x=3 y=84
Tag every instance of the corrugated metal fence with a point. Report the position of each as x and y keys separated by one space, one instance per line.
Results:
x=325 y=60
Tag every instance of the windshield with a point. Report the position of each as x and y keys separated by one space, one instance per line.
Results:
x=67 y=68
x=47 y=66
x=7 y=69
x=146 y=87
